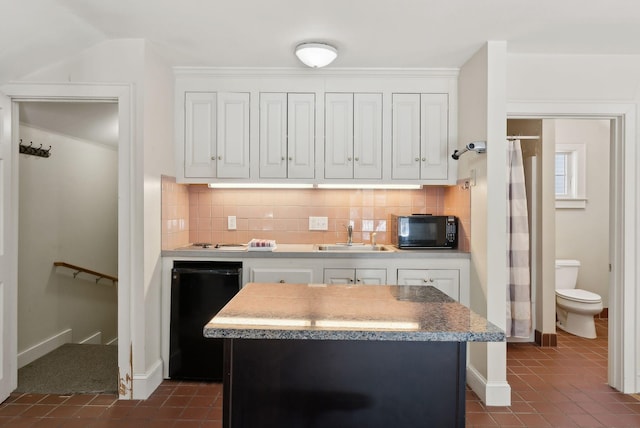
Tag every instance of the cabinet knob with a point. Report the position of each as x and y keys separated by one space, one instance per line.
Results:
x=282 y=158
x=358 y=280
x=428 y=280
x=281 y=281
x=213 y=157
x=350 y=280
x=349 y=159
x=219 y=157
x=417 y=159
x=356 y=159
x=290 y=158
x=424 y=159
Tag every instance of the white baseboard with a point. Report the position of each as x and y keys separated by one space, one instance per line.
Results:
x=145 y=384
x=492 y=393
x=43 y=348
x=94 y=339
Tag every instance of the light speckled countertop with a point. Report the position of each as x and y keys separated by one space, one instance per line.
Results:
x=349 y=312
x=308 y=250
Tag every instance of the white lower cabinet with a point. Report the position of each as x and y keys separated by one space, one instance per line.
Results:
x=445 y=280
x=355 y=276
x=282 y=275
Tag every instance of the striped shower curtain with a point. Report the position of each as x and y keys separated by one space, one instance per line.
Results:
x=519 y=286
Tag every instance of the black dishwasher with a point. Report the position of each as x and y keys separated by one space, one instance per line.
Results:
x=199 y=289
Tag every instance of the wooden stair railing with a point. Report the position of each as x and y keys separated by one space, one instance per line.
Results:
x=79 y=269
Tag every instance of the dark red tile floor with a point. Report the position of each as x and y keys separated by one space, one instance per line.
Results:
x=551 y=387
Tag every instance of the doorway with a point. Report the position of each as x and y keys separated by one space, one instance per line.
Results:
x=573 y=222
x=68 y=211
x=128 y=212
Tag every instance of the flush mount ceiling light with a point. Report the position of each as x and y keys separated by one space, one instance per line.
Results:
x=316 y=55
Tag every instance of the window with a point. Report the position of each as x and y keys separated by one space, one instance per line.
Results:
x=570 y=176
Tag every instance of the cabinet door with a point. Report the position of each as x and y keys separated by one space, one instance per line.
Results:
x=233 y=135
x=200 y=134
x=338 y=130
x=434 y=136
x=273 y=135
x=445 y=280
x=367 y=136
x=301 y=128
x=339 y=276
x=371 y=276
x=405 y=143
x=282 y=275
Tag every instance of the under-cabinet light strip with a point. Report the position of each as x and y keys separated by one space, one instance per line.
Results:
x=370 y=186
x=259 y=186
x=310 y=186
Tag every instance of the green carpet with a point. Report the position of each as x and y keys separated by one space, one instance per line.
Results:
x=72 y=369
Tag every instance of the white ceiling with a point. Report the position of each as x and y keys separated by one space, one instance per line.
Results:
x=264 y=33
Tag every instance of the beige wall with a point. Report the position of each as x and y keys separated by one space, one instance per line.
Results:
x=68 y=212
x=583 y=234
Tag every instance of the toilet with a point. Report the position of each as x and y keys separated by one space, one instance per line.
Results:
x=575 y=308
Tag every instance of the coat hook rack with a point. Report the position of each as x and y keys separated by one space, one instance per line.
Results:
x=34 y=151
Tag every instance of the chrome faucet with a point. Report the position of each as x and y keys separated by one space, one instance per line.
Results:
x=350 y=235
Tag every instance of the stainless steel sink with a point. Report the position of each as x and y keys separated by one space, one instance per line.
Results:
x=357 y=247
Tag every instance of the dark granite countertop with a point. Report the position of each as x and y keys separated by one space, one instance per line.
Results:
x=349 y=312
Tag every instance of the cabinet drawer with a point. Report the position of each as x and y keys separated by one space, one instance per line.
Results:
x=283 y=275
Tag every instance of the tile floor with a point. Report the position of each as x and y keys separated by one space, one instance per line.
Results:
x=563 y=386
x=551 y=387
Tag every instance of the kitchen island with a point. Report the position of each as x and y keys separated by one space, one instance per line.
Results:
x=317 y=355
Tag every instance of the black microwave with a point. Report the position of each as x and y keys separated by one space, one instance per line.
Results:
x=423 y=231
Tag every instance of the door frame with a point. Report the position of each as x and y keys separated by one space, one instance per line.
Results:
x=624 y=226
x=129 y=211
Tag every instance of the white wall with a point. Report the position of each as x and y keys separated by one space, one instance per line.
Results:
x=68 y=212
x=158 y=161
x=583 y=234
x=482 y=113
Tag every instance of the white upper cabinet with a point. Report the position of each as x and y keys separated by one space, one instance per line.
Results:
x=420 y=138
x=273 y=135
x=353 y=136
x=287 y=135
x=301 y=130
x=216 y=135
x=301 y=127
x=434 y=136
x=233 y=135
x=200 y=151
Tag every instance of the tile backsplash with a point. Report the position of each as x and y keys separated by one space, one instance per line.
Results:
x=175 y=214
x=195 y=213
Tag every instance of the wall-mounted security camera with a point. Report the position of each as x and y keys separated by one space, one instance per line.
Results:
x=474 y=146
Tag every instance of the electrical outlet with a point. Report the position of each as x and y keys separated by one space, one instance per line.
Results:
x=231 y=222
x=318 y=223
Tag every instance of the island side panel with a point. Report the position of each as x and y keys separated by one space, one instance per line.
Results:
x=286 y=383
